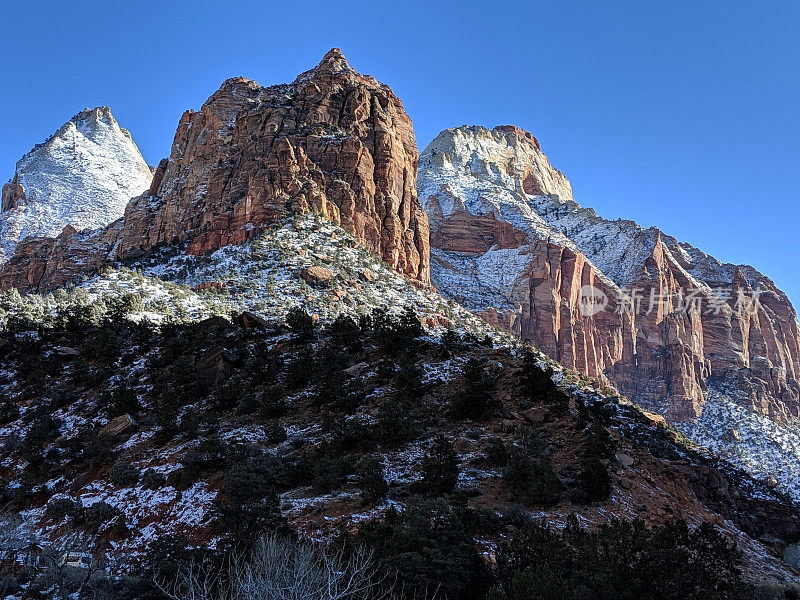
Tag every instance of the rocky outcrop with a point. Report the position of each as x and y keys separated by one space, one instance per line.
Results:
x=334 y=141
x=49 y=263
x=82 y=176
x=510 y=243
x=316 y=275
x=554 y=317
x=13 y=194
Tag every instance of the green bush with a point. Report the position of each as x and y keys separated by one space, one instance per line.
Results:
x=408 y=379
x=43 y=430
x=96 y=450
x=274 y=432
x=496 y=452
x=248 y=504
x=98 y=514
x=123 y=474
x=538 y=584
x=345 y=332
x=330 y=467
x=301 y=369
x=370 y=477
x=626 y=560
x=63 y=508
x=396 y=422
x=428 y=551
x=9 y=411
x=153 y=480
x=393 y=334
x=121 y=400
x=300 y=323
x=265 y=363
x=474 y=400
x=536 y=382
x=528 y=472
x=273 y=404
x=440 y=467
x=593 y=480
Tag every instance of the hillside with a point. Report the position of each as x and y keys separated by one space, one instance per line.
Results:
x=308 y=410
x=678 y=330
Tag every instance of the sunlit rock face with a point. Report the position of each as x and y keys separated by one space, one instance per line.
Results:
x=334 y=142
x=510 y=243
x=83 y=175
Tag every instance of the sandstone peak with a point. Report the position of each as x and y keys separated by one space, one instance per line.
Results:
x=333 y=61
x=510 y=243
x=505 y=156
x=333 y=64
x=84 y=175
x=519 y=133
x=335 y=142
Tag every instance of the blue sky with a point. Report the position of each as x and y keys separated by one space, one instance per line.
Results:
x=677 y=114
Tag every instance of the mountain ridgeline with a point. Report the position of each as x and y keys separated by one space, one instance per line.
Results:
x=296 y=321
x=508 y=240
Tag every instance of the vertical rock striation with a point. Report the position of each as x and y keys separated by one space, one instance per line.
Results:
x=334 y=141
x=510 y=243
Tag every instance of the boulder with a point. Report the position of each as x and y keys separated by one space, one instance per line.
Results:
x=122 y=426
x=655 y=420
x=367 y=274
x=250 y=320
x=624 y=459
x=214 y=367
x=66 y=351
x=316 y=275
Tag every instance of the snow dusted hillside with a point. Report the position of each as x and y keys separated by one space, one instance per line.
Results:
x=263 y=276
x=766 y=450
x=474 y=182
x=83 y=175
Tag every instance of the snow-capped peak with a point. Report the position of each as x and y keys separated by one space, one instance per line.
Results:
x=83 y=175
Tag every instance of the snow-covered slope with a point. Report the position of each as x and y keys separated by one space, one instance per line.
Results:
x=500 y=174
x=83 y=175
x=502 y=219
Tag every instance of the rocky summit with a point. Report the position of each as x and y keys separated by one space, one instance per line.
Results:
x=299 y=351
x=510 y=243
x=82 y=176
x=334 y=141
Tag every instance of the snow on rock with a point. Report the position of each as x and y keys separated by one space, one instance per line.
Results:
x=84 y=175
x=768 y=451
x=494 y=175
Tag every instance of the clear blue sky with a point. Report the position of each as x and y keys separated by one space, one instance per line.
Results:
x=677 y=114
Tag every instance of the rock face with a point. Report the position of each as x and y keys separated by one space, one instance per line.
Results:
x=49 y=263
x=659 y=319
x=82 y=176
x=334 y=141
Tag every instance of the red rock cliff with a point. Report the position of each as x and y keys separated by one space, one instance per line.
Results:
x=334 y=141
x=510 y=243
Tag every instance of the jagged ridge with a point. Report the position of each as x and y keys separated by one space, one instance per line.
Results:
x=335 y=142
